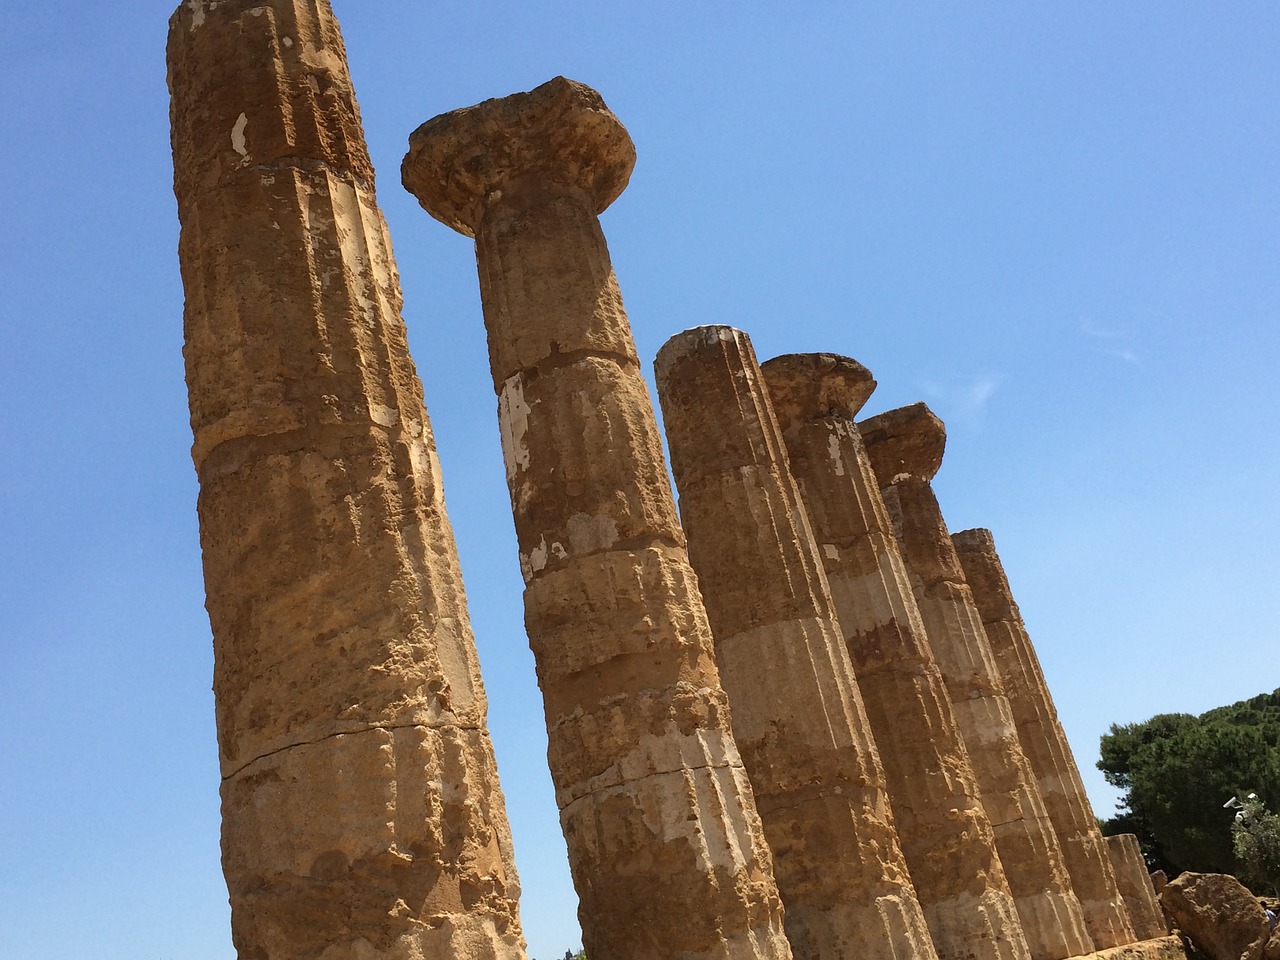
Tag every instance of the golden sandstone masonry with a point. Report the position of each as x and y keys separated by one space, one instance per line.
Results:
x=667 y=851
x=905 y=447
x=1084 y=852
x=797 y=714
x=362 y=817
x=1135 y=886
x=945 y=835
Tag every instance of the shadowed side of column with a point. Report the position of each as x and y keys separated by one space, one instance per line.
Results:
x=905 y=448
x=797 y=714
x=945 y=835
x=666 y=847
x=1044 y=742
x=362 y=816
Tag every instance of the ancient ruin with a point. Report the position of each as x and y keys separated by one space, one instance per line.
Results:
x=1044 y=742
x=797 y=713
x=666 y=847
x=905 y=447
x=1134 y=883
x=361 y=811
x=944 y=832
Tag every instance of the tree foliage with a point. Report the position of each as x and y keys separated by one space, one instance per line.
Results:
x=1255 y=835
x=1177 y=770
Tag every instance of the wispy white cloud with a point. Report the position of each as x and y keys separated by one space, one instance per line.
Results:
x=965 y=398
x=1113 y=341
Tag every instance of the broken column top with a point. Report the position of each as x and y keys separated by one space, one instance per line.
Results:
x=811 y=386
x=908 y=441
x=561 y=133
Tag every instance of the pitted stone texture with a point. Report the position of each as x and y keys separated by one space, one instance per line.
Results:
x=1223 y=920
x=944 y=832
x=1045 y=744
x=1136 y=887
x=905 y=448
x=1162 y=948
x=361 y=811
x=797 y=714
x=665 y=843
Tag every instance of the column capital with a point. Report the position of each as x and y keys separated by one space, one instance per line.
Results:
x=558 y=137
x=812 y=386
x=904 y=442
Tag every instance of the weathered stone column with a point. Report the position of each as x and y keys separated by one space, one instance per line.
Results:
x=361 y=811
x=905 y=447
x=797 y=714
x=1135 y=886
x=1043 y=741
x=945 y=834
x=666 y=847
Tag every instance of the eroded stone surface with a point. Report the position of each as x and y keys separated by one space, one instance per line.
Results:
x=905 y=448
x=1044 y=742
x=1223 y=920
x=665 y=844
x=944 y=832
x=1134 y=883
x=797 y=714
x=362 y=816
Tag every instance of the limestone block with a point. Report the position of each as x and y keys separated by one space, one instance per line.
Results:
x=1045 y=744
x=362 y=816
x=1223 y=920
x=665 y=843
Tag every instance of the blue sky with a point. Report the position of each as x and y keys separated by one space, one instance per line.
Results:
x=1058 y=224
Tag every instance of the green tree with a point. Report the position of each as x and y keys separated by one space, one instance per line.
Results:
x=1255 y=835
x=1176 y=770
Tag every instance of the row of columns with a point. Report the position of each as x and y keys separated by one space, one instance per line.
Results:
x=715 y=684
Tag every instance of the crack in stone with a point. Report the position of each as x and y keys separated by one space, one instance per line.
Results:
x=618 y=784
x=346 y=733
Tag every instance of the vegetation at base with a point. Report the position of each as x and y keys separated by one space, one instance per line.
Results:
x=1177 y=771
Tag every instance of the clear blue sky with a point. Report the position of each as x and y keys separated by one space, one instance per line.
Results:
x=1058 y=224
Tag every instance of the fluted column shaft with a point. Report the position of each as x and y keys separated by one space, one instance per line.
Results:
x=1044 y=742
x=1134 y=883
x=361 y=810
x=896 y=443
x=797 y=714
x=944 y=832
x=665 y=844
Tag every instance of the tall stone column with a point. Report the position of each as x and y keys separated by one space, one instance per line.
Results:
x=362 y=816
x=905 y=447
x=945 y=834
x=1043 y=741
x=797 y=714
x=666 y=847
x=1136 y=888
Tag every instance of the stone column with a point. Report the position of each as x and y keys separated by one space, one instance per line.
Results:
x=1043 y=741
x=1136 y=887
x=797 y=714
x=945 y=834
x=666 y=847
x=361 y=811
x=905 y=447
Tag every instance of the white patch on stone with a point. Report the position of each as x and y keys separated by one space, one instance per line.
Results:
x=197 y=12
x=899 y=478
x=534 y=561
x=383 y=416
x=589 y=534
x=831 y=551
x=238 y=143
x=287 y=41
x=833 y=454
x=257 y=11
x=513 y=426
x=558 y=551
